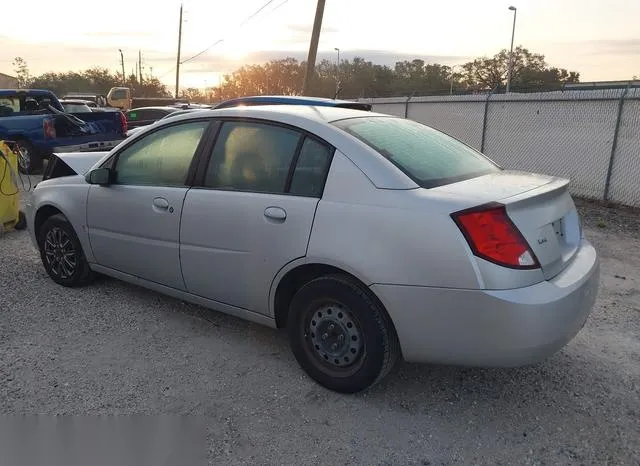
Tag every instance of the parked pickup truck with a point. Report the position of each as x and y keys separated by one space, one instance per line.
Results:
x=37 y=122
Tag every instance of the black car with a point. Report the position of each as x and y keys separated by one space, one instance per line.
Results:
x=144 y=116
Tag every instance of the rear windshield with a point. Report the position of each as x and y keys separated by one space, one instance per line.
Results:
x=76 y=108
x=427 y=156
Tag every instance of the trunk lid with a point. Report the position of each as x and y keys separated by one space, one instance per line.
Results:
x=540 y=206
x=81 y=162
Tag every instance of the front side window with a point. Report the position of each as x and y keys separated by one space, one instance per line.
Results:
x=252 y=157
x=429 y=157
x=161 y=158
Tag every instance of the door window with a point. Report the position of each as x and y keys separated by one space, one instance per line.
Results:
x=311 y=169
x=252 y=157
x=161 y=158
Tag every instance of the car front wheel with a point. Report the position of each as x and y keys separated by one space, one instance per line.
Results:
x=61 y=253
x=340 y=335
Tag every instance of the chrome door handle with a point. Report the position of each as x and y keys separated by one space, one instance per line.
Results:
x=161 y=203
x=275 y=213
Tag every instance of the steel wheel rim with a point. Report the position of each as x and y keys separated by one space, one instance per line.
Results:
x=334 y=338
x=24 y=158
x=60 y=253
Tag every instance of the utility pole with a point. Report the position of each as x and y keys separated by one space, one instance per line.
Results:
x=124 y=78
x=513 y=33
x=313 y=48
x=178 y=58
x=140 y=66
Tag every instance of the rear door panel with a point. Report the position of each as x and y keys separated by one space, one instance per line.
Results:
x=230 y=250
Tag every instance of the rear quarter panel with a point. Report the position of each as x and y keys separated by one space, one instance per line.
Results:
x=387 y=236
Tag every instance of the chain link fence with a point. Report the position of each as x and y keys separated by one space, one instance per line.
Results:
x=591 y=137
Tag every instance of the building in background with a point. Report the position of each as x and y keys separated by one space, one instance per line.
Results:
x=8 y=82
x=602 y=85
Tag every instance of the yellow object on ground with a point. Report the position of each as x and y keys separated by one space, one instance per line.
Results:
x=10 y=215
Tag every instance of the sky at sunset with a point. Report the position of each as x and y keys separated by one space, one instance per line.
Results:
x=599 y=39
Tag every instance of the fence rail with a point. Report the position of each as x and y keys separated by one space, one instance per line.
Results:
x=589 y=136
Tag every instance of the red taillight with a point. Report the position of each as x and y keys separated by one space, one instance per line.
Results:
x=492 y=236
x=123 y=123
x=49 y=128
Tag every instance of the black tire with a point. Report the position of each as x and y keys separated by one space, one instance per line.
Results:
x=369 y=345
x=58 y=241
x=21 y=224
x=29 y=160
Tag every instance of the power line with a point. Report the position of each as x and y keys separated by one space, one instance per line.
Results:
x=249 y=18
x=245 y=21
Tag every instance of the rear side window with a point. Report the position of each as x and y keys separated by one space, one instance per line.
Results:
x=429 y=157
x=311 y=169
x=252 y=157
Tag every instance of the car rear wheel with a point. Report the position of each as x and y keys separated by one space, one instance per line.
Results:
x=340 y=335
x=62 y=254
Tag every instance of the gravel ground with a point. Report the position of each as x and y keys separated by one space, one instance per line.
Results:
x=113 y=348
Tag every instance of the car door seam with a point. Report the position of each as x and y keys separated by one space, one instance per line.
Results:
x=184 y=200
x=313 y=220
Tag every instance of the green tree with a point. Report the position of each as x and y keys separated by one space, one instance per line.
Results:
x=283 y=77
x=22 y=72
x=98 y=81
x=530 y=71
x=192 y=95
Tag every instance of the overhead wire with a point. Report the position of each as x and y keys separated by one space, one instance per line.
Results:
x=245 y=21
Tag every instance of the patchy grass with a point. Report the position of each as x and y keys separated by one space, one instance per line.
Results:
x=596 y=214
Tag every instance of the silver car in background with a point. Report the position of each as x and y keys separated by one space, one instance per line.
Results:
x=369 y=237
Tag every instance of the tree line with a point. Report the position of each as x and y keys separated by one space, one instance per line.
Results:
x=348 y=79
x=94 y=80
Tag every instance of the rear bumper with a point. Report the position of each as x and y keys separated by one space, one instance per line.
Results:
x=494 y=328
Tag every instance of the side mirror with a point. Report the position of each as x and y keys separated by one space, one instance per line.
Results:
x=101 y=176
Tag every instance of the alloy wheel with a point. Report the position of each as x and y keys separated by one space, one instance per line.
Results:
x=60 y=253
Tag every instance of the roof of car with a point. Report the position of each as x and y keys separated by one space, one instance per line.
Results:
x=158 y=107
x=324 y=114
x=290 y=99
x=32 y=92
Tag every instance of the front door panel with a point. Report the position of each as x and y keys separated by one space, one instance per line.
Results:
x=135 y=230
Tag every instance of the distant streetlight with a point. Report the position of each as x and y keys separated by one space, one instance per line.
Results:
x=513 y=33
x=453 y=74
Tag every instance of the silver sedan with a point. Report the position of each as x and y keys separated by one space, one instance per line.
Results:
x=369 y=237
